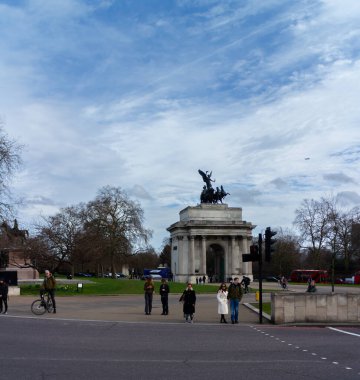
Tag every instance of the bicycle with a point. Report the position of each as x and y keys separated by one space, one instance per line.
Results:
x=42 y=305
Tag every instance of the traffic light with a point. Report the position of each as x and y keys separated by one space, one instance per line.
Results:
x=253 y=256
x=268 y=243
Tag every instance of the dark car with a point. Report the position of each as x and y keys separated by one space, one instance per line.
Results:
x=272 y=279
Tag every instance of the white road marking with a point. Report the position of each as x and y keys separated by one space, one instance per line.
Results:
x=344 y=332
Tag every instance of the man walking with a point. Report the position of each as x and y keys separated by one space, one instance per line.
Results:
x=234 y=296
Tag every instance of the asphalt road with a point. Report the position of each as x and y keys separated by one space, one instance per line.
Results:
x=48 y=348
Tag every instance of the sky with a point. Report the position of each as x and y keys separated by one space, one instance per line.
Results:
x=141 y=94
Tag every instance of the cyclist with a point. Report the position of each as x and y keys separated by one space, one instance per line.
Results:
x=245 y=282
x=48 y=286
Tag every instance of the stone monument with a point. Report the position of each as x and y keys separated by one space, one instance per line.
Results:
x=12 y=257
x=210 y=238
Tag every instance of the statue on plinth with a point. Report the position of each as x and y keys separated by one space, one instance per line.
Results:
x=208 y=194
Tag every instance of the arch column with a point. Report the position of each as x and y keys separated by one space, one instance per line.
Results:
x=180 y=255
x=233 y=256
x=245 y=249
x=203 y=256
x=191 y=264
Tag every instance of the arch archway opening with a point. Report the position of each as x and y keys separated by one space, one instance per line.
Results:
x=215 y=263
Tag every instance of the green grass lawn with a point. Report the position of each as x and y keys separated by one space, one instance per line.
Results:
x=266 y=307
x=108 y=286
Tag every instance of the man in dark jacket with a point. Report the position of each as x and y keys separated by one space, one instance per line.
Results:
x=164 y=294
x=4 y=290
x=49 y=286
x=234 y=295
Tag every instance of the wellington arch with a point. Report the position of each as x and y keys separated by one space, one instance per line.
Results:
x=209 y=240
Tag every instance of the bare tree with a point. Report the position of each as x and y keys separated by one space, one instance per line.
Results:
x=287 y=255
x=117 y=222
x=165 y=254
x=9 y=161
x=60 y=234
x=38 y=256
x=312 y=221
x=328 y=229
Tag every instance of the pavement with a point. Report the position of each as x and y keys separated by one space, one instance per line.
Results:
x=130 y=308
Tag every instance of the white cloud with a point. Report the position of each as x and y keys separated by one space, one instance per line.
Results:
x=96 y=103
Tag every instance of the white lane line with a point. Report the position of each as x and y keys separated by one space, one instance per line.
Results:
x=344 y=332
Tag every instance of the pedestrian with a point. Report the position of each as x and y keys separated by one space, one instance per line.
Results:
x=49 y=286
x=204 y=279
x=149 y=290
x=222 y=302
x=164 y=294
x=283 y=282
x=311 y=287
x=245 y=282
x=234 y=295
x=188 y=299
x=4 y=291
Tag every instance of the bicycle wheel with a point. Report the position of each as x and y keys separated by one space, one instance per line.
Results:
x=49 y=306
x=38 y=307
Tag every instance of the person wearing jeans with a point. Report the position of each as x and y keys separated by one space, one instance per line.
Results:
x=234 y=296
x=149 y=290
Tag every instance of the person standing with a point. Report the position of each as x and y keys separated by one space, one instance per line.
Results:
x=4 y=291
x=189 y=299
x=222 y=302
x=234 y=295
x=164 y=294
x=149 y=290
x=311 y=287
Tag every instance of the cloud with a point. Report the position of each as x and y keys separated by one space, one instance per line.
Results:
x=338 y=178
x=142 y=97
x=346 y=198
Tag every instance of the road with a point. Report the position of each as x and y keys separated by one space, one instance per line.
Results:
x=49 y=348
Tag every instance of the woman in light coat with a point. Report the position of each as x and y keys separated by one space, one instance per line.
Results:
x=222 y=302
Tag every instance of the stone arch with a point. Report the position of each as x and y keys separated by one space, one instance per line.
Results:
x=215 y=262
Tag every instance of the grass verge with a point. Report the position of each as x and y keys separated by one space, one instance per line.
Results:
x=108 y=286
x=266 y=307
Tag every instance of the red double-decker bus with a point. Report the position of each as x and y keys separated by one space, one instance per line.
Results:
x=303 y=275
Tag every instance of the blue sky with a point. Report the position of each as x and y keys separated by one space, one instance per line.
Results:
x=141 y=94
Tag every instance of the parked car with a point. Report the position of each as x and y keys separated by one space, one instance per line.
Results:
x=156 y=276
x=81 y=274
x=153 y=276
x=272 y=279
x=121 y=275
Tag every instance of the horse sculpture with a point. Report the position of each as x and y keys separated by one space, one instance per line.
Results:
x=208 y=194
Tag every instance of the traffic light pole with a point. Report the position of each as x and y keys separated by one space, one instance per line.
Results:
x=260 y=281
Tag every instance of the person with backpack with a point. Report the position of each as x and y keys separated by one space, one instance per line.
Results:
x=245 y=282
x=49 y=286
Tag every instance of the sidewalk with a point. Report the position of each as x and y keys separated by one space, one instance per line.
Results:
x=130 y=308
